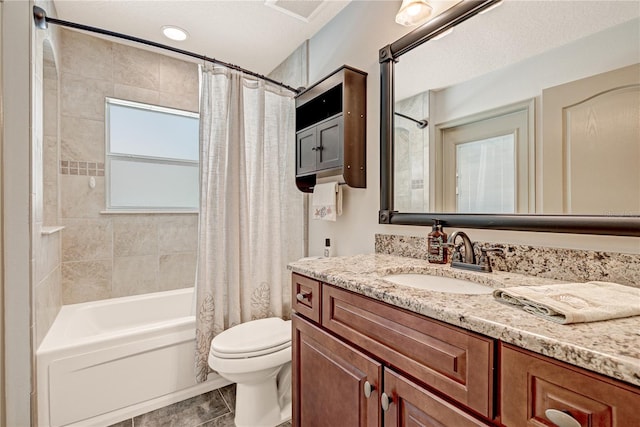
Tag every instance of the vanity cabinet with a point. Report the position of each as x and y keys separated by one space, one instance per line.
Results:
x=360 y=362
x=331 y=129
x=531 y=384
x=364 y=361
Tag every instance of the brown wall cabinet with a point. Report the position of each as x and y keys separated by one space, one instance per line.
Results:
x=358 y=362
x=331 y=129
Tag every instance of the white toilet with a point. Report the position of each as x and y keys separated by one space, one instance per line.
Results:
x=257 y=356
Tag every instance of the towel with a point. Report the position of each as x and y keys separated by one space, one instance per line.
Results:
x=327 y=201
x=574 y=302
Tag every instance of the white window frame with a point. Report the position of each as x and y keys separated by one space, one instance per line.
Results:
x=109 y=156
x=444 y=174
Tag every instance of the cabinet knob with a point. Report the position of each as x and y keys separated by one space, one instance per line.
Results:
x=385 y=401
x=561 y=418
x=303 y=296
x=368 y=388
x=319 y=148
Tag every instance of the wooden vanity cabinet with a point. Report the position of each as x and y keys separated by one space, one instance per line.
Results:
x=333 y=376
x=361 y=350
x=531 y=384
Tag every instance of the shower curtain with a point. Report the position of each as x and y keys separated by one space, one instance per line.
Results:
x=251 y=214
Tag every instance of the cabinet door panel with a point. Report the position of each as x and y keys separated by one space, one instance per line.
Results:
x=531 y=384
x=413 y=406
x=329 y=136
x=445 y=358
x=333 y=376
x=306 y=151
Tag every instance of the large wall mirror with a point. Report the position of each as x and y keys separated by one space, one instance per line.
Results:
x=521 y=115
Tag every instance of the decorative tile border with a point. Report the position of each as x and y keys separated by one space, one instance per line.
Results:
x=552 y=263
x=74 y=167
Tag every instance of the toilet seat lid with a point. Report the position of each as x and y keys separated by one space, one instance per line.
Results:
x=253 y=338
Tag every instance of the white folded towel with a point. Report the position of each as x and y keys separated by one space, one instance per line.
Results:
x=574 y=302
x=327 y=201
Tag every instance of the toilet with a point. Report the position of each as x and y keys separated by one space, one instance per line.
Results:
x=256 y=355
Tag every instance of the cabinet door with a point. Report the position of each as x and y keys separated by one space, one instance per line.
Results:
x=411 y=405
x=306 y=151
x=329 y=135
x=329 y=381
x=532 y=384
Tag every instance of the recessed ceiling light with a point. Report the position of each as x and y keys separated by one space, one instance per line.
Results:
x=174 y=33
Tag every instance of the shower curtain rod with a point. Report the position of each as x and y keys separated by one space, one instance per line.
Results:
x=421 y=123
x=41 y=20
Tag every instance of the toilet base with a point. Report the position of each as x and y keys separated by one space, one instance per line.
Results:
x=257 y=405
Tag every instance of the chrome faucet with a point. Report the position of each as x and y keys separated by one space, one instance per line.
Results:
x=469 y=261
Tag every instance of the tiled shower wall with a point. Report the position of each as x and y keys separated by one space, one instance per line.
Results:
x=45 y=253
x=111 y=255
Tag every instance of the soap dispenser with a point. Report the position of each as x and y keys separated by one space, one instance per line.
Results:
x=437 y=244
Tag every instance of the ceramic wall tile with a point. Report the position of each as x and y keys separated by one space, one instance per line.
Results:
x=177 y=271
x=47 y=254
x=133 y=275
x=78 y=199
x=51 y=203
x=137 y=94
x=82 y=139
x=177 y=233
x=84 y=281
x=134 y=235
x=178 y=77
x=50 y=104
x=87 y=239
x=47 y=302
x=86 y=56
x=136 y=67
x=83 y=97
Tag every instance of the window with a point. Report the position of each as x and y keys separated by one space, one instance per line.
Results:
x=152 y=157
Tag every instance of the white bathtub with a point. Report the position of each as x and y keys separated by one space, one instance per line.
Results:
x=104 y=361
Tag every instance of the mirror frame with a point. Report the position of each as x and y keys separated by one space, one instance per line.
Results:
x=388 y=55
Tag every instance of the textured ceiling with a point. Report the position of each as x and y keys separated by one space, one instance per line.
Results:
x=247 y=33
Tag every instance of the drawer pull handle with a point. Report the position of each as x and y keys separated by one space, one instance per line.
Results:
x=303 y=296
x=385 y=401
x=368 y=389
x=561 y=419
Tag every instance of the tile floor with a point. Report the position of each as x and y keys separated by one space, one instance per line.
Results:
x=213 y=409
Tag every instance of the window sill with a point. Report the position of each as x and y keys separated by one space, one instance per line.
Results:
x=146 y=212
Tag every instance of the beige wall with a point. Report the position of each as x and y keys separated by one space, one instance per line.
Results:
x=113 y=255
x=354 y=38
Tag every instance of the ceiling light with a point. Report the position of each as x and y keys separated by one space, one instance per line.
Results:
x=174 y=33
x=413 y=12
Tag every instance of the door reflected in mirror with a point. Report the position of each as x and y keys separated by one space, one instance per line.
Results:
x=569 y=69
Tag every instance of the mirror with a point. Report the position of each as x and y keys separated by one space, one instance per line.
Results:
x=523 y=104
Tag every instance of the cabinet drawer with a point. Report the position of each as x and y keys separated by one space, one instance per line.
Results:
x=530 y=384
x=412 y=405
x=306 y=296
x=455 y=362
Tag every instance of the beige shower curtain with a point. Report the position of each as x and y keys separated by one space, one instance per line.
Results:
x=251 y=214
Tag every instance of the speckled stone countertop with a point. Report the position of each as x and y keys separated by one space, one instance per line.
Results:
x=611 y=347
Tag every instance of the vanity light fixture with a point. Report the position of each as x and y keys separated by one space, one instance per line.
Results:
x=174 y=33
x=413 y=12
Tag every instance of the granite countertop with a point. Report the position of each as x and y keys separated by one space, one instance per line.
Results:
x=611 y=347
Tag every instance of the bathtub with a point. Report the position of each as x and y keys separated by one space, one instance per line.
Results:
x=105 y=361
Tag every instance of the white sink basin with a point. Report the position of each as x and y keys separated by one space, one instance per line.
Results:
x=438 y=284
